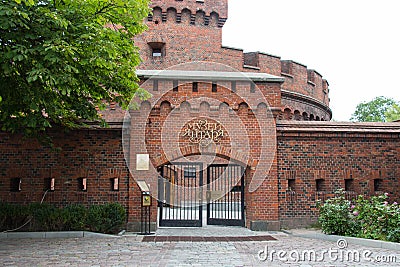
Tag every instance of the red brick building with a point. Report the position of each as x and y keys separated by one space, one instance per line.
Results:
x=228 y=137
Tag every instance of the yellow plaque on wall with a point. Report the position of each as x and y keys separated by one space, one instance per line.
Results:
x=146 y=200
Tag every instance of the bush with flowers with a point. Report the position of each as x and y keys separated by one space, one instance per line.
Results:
x=335 y=216
x=373 y=218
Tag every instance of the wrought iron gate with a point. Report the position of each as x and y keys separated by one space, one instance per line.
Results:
x=180 y=196
x=225 y=195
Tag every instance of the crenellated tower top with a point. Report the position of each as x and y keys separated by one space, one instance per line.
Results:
x=190 y=31
x=207 y=9
x=182 y=31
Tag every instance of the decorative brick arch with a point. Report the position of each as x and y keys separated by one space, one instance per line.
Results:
x=220 y=151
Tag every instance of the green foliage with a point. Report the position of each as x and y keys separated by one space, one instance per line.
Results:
x=74 y=217
x=107 y=218
x=60 y=59
x=115 y=217
x=13 y=216
x=393 y=113
x=378 y=219
x=336 y=218
x=26 y=2
x=95 y=218
x=380 y=109
x=372 y=218
x=46 y=216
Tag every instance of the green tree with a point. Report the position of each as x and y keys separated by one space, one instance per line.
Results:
x=379 y=109
x=60 y=59
x=393 y=113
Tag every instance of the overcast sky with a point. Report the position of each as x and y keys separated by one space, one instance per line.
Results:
x=354 y=44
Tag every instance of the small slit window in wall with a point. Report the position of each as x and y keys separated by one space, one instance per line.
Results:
x=233 y=86
x=49 y=184
x=82 y=184
x=252 y=88
x=349 y=185
x=157 y=52
x=155 y=85
x=214 y=87
x=15 y=184
x=195 y=86
x=114 y=184
x=175 y=86
x=157 y=49
x=292 y=185
x=319 y=183
x=378 y=184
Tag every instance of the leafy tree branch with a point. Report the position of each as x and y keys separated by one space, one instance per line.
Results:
x=380 y=109
x=60 y=60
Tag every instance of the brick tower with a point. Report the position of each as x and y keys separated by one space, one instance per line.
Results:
x=182 y=31
x=187 y=31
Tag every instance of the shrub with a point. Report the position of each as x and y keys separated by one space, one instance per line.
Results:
x=116 y=217
x=378 y=219
x=75 y=216
x=394 y=235
x=13 y=216
x=108 y=218
x=3 y=214
x=372 y=218
x=46 y=217
x=95 y=218
x=335 y=216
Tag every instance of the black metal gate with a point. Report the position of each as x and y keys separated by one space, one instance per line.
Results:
x=180 y=196
x=225 y=195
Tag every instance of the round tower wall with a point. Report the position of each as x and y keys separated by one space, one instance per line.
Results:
x=187 y=31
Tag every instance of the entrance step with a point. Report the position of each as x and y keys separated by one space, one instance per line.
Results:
x=214 y=231
x=207 y=238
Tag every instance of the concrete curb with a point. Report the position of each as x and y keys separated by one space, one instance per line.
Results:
x=350 y=240
x=64 y=234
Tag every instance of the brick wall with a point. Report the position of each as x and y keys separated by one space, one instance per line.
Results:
x=359 y=156
x=162 y=118
x=96 y=155
x=334 y=155
x=331 y=153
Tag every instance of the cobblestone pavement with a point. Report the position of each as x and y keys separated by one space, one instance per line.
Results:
x=211 y=230
x=128 y=250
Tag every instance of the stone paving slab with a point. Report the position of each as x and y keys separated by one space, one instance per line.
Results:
x=61 y=234
x=317 y=234
x=207 y=238
x=130 y=251
x=212 y=230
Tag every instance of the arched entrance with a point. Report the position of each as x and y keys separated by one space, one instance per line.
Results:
x=191 y=194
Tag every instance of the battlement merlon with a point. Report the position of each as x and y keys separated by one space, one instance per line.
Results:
x=207 y=6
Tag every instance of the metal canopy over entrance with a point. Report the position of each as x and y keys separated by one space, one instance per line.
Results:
x=182 y=196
